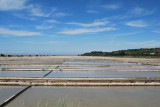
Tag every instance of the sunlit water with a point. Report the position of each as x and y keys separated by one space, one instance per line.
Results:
x=6 y=92
x=22 y=73
x=105 y=74
x=90 y=97
x=85 y=96
x=77 y=74
x=112 y=68
x=26 y=67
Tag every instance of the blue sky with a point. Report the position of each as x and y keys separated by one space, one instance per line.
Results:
x=71 y=27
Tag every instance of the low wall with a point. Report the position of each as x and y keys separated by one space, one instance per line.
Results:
x=79 y=81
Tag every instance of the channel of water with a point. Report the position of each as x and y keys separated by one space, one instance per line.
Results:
x=90 y=96
x=105 y=74
x=85 y=96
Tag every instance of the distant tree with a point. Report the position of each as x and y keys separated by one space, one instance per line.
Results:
x=9 y=55
x=3 y=55
x=144 y=52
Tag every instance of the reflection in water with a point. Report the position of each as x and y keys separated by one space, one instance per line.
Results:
x=103 y=68
x=91 y=97
x=27 y=67
x=22 y=73
x=6 y=92
x=105 y=74
x=77 y=74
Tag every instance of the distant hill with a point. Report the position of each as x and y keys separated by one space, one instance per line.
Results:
x=143 y=52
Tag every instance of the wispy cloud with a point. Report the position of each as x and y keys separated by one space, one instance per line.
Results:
x=137 y=23
x=54 y=42
x=33 y=9
x=141 y=11
x=95 y=23
x=36 y=10
x=6 y=31
x=87 y=30
x=92 y=11
x=156 y=31
x=24 y=16
x=133 y=12
x=125 y=34
x=6 y=5
x=42 y=42
x=12 y=26
x=151 y=43
x=60 y=14
x=44 y=27
x=47 y=24
x=51 y=21
x=110 y=6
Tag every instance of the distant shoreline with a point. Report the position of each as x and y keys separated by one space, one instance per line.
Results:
x=130 y=53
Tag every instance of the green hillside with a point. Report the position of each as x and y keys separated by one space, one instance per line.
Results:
x=143 y=52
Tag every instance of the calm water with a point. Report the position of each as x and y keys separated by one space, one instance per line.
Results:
x=6 y=92
x=103 y=68
x=22 y=73
x=77 y=74
x=101 y=64
x=105 y=74
x=91 y=97
x=27 y=67
x=72 y=62
x=31 y=63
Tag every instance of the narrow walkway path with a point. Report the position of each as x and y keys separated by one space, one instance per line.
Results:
x=20 y=92
x=14 y=96
x=50 y=72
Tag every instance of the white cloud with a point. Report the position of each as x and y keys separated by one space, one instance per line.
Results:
x=36 y=10
x=33 y=9
x=44 y=27
x=18 y=32
x=24 y=16
x=141 y=11
x=125 y=34
x=60 y=14
x=137 y=23
x=89 y=30
x=95 y=23
x=111 y=6
x=51 y=21
x=6 y=5
x=39 y=11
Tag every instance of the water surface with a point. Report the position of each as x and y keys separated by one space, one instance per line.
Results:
x=22 y=73
x=7 y=91
x=91 y=97
x=106 y=68
x=105 y=74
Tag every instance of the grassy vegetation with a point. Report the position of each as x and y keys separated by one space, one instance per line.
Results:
x=143 y=52
x=62 y=102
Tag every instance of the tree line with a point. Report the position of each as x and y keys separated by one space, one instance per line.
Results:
x=142 y=52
